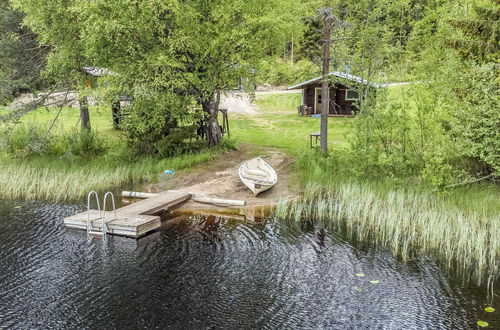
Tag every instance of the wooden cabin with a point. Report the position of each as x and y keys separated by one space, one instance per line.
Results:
x=344 y=89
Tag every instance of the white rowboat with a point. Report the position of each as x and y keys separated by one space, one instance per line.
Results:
x=257 y=175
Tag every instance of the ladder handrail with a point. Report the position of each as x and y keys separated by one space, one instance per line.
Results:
x=89 y=196
x=104 y=226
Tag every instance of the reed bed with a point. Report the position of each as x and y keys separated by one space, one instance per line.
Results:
x=408 y=222
x=57 y=180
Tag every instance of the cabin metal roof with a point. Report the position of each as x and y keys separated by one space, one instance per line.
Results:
x=340 y=75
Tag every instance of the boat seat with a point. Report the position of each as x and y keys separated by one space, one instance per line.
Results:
x=256 y=173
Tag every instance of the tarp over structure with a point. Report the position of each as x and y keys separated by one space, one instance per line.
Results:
x=97 y=72
x=339 y=75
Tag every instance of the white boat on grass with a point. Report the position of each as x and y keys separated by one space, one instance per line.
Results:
x=257 y=175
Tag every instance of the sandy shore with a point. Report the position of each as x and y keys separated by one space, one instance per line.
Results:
x=220 y=179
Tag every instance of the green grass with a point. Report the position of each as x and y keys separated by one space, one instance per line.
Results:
x=69 y=118
x=277 y=125
x=61 y=179
x=58 y=180
x=408 y=222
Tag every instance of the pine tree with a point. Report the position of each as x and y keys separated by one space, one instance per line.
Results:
x=481 y=35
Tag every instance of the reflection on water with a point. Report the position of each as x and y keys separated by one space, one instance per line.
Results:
x=211 y=273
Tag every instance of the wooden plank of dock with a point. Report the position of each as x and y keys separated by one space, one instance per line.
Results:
x=156 y=203
x=134 y=220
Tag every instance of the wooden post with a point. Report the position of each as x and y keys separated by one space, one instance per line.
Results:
x=84 y=113
x=325 y=90
x=115 y=109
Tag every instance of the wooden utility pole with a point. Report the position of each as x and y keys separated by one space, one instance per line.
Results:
x=325 y=86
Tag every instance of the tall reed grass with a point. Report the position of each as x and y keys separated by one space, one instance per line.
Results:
x=409 y=221
x=57 y=180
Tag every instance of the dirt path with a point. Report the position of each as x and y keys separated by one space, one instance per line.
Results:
x=220 y=179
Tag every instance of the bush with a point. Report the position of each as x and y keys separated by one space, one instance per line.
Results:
x=30 y=141
x=229 y=144
x=82 y=144
x=26 y=141
x=161 y=124
x=178 y=142
x=476 y=116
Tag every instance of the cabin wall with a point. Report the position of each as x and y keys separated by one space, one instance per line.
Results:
x=309 y=96
x=337 y=95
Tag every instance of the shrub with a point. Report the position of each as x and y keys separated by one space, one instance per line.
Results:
x=229 y=144
x=26 y=141
x=161 y=124
x=178 y=142
x=82 y=144
x=30 y=141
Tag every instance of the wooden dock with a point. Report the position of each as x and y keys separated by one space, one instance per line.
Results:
x=134 y=220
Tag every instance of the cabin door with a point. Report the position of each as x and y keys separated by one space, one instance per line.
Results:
x=317 y=100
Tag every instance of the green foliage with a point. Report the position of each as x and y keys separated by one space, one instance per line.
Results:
x=29 y=141
x=177 y=142
x=21 y=57
x=160 y=124
x=476 y=119
x=444 y=129
x=190 y=50
x=480 y=38
x=83 y=143
x=229 y=144
x=309 y=47
x=461 y=229
x=281 y=73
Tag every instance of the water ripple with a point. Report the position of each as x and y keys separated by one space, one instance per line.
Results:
x=215 y=273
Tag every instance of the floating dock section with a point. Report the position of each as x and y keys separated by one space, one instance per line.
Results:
x=134 y=220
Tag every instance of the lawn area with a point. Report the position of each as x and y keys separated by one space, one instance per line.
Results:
x=60 y=178
x=278 y=125
x=68 y=119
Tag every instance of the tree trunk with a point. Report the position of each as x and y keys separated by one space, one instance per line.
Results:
x=325 y=90
x=214 y=133
x=84 y=113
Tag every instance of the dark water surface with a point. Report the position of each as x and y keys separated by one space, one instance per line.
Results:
x=215 y=274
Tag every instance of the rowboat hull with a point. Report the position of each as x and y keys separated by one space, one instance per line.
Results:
x=257 y=175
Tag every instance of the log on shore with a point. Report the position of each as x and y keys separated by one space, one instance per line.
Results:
x=211 y=200
x=137 y=194
x=196 y=198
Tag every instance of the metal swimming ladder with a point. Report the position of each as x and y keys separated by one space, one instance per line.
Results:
x=102 y=213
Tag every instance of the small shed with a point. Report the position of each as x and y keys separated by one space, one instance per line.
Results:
x=97 y=72
x=343 y=93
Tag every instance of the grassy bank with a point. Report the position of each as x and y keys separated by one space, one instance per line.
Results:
x=68 y=119
x=62 y=177
x=59 y=180
x=461 y=229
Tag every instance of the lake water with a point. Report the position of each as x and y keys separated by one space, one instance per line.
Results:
x=209 y=273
